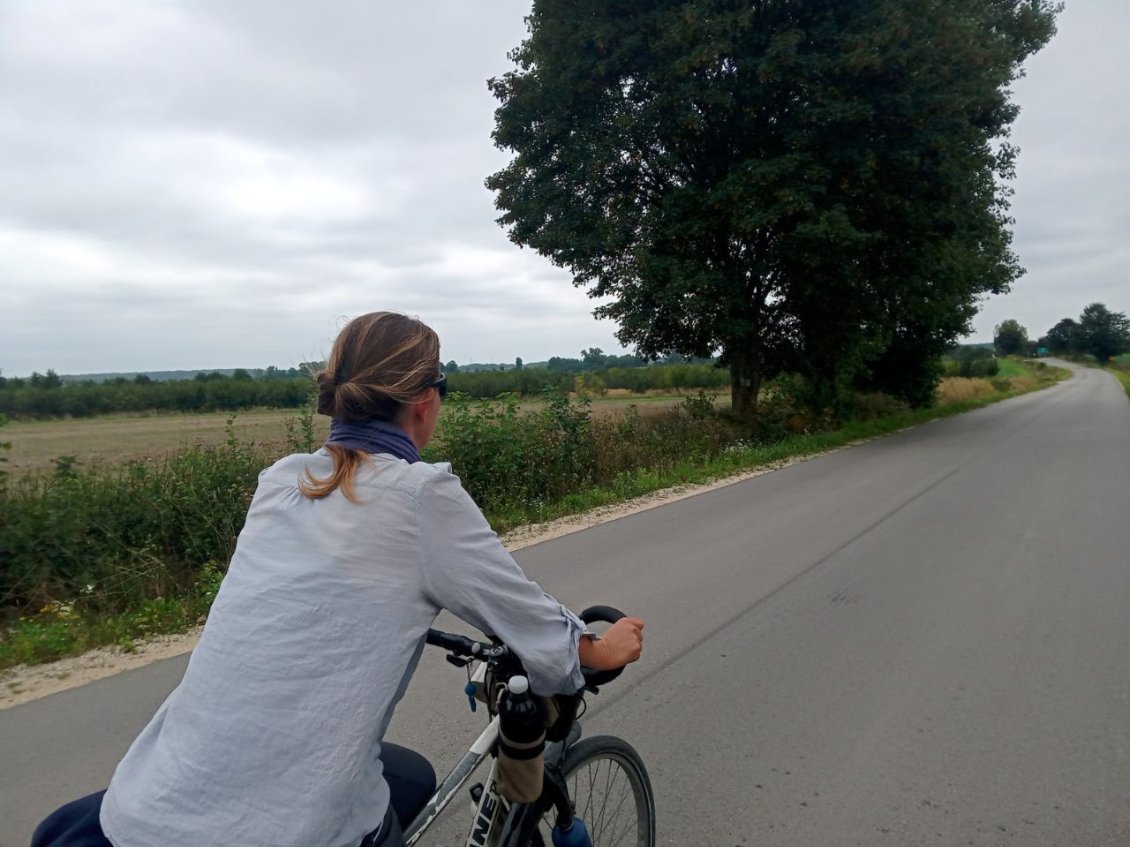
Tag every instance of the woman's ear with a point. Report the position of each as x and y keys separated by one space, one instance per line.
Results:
x=418 y=419
x=421 y=406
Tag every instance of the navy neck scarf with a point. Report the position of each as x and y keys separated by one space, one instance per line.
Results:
x=373 y=436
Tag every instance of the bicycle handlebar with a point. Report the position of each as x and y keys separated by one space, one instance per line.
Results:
x=460 y=645
x=600 y=614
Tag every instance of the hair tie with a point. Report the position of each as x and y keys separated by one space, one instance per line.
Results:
x=339 y=379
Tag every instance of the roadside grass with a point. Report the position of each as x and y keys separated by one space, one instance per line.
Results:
x=57 y=631
x=107 y=556
x=1121 y=370
x=1010 y=366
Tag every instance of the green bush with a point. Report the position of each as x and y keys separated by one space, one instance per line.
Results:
x=970 y=362
x=508 y=459
x=105 y=539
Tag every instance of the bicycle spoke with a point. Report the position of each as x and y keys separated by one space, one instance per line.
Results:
x=624 y=795
x=611 y=794
x=603 y=814
x=608 y=823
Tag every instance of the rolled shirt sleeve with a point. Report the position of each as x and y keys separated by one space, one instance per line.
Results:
x=468 y=572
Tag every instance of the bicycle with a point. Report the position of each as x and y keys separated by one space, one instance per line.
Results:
x=601 y=780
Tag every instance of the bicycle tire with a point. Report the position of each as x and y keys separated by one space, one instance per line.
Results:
x=605 y=776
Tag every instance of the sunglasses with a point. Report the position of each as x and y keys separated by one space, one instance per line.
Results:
x=440 y=385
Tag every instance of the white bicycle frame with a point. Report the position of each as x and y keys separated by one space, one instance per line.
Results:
x=492 y=807
x=491 y=803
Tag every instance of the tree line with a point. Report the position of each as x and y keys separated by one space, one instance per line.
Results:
x=47 y=396
x=1098 y=332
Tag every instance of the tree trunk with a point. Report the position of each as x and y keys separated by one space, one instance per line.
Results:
x=745 y=382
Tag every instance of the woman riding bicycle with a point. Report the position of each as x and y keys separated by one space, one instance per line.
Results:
x=274 y=736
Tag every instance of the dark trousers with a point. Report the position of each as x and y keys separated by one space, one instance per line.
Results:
x=410 y=778
x=73 y=825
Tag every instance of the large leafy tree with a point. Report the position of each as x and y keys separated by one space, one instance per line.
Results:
x=1064 y=337
x=1010 y=337
x=812 y=185
x=1103 y=333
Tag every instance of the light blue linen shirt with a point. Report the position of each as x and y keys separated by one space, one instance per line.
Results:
x=273 y=736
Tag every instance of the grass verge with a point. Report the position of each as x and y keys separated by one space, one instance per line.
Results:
x=56 y=631
x=1122 y=372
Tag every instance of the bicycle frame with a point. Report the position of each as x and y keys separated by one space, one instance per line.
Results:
x=489 y=803
x=493 y=810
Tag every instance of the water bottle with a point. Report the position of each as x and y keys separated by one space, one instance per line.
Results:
x=576 y=835
x=521 y=743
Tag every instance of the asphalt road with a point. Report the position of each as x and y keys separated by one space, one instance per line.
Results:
x=922 y=640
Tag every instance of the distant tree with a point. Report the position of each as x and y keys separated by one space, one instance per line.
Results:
x=142 y=379
x=48 y=380
x=557 y=364
x=1064 y=337
x=241 y=374
x=518 y=363
x=1010 y=338
x=451 y=367
x=593 y=359
x=1103 y=333
x=272 y=373
x=626 y=361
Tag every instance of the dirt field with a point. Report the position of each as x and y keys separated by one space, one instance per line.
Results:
x=117 y=438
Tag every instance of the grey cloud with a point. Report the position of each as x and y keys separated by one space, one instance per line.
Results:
x=215 y=184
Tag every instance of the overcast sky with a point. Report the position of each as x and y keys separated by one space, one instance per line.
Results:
x=219 y=184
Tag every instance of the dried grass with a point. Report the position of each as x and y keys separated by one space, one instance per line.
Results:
x=957 y=389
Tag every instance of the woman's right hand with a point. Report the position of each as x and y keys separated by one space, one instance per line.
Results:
x=619 y=645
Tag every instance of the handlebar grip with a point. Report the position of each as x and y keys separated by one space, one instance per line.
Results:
x=600 y=614
x=458 y=644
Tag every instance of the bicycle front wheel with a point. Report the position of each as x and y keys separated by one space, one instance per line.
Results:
x=611 y=793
